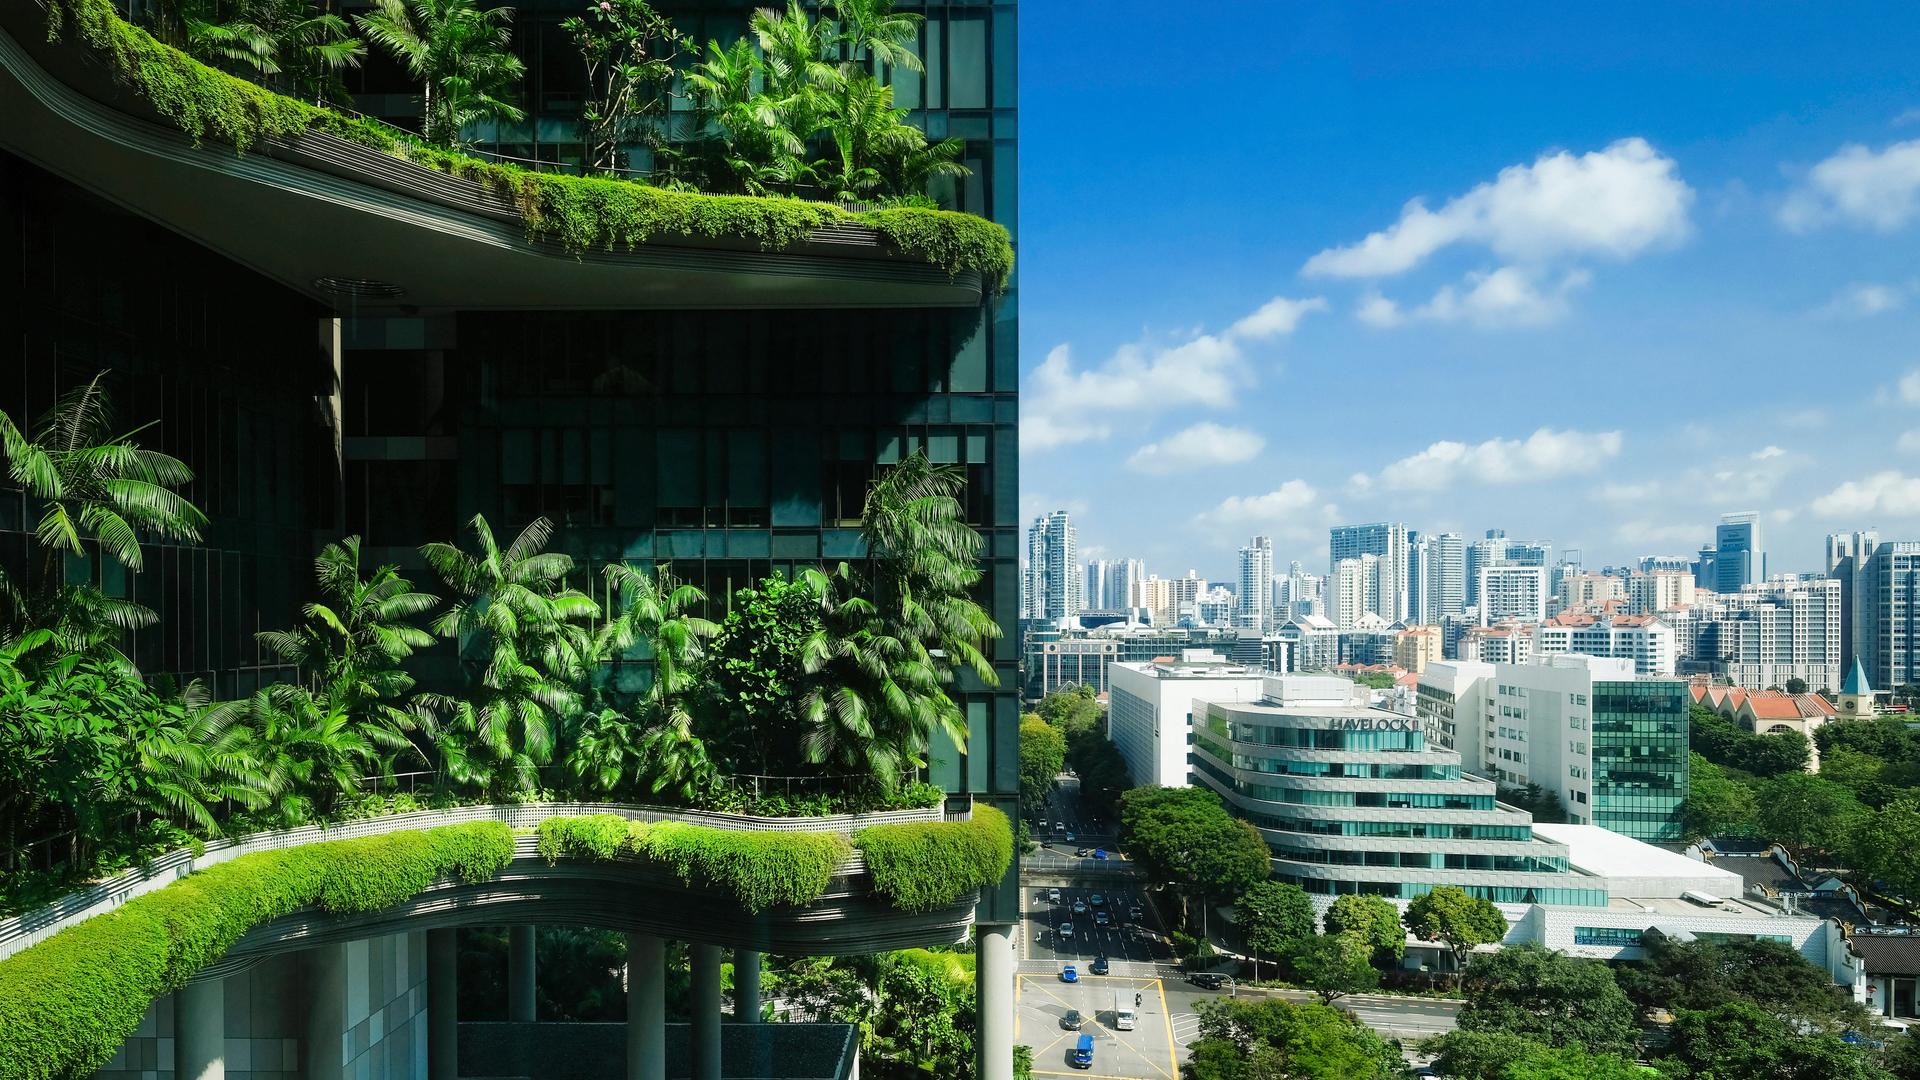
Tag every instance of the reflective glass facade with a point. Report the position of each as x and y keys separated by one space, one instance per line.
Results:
x=1640 y=757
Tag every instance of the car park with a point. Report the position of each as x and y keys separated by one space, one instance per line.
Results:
x=1069 y=975
x=1071 y=1020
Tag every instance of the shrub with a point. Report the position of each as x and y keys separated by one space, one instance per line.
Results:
x=761 y=869
x=67 y=1003
x=581 y=213
x=927 y=865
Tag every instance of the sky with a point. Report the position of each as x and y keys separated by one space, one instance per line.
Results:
x=1592 y=274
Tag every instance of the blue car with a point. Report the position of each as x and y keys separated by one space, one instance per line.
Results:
x=1082 y=1053
x=1099 y=853
x=1067 y=974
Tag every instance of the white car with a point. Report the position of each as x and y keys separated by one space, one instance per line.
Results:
x=1053 y=896
x=1066 y=930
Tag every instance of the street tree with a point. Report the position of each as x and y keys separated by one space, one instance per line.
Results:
x=1549 y=997
x=1377 y=922
x=1185 y=836
x=1275 y=917
x=1272 y=1039
x=1043 y=751
x=1740 y=1039
x=1449 y=914
x=1335 y=965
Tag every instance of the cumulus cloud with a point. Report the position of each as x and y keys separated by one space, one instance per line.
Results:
x=1508 y=296
x=1909 y=442
x=1203 y=445
x=1377 y=310
x=1543 y=455
x=1875 y=189
x=1890 y=493
x=1767 y=453
x=1293 y=510
x=1863 y=299
x=1615 y=202
x=1064 y=403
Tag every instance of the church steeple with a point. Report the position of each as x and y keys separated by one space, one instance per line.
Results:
x=1856 y=696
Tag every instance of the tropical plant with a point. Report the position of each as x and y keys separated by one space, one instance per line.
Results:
x=93 y=488
x=629 y=50
x=872 y=28
x=525 y=645
x=351 y=646
x=281 y=43
x=461 y=54
x=305 y=747
x=655 y=616
x=896 y=632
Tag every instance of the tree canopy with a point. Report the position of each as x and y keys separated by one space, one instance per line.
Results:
x=1272 y=1039
x=1768 y=974
x=1740 y=1040
x=1549 y=997
x=1043 y=751
x=1185 y=836
x=1274 y=917
x=1451 y=915
x=1375 y=919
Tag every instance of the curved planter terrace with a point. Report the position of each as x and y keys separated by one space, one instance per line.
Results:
x=347 y=211
x=620 y=894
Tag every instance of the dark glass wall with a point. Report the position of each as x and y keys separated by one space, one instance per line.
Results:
x=222 y=364
x=1640 y=757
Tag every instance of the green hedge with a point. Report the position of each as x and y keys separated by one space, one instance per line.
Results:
x=68 y=1003
x=761 y=869
x=582 y=213
x=927 y=865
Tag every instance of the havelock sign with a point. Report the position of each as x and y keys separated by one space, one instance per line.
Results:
x=1375 y=723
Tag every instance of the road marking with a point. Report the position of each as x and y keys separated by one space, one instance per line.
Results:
x=1173 y=1048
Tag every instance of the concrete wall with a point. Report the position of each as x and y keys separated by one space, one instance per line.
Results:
x=370 y=995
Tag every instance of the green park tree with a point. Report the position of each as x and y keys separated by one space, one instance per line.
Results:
x=1335 y=965
x=1274 y=917
x=1185 y=836
x=1717 y=804
x=1043 y=751
x=1271 y=1039
x=1808 y=813
x=1449 y=914
x=1740 y=1039
x=1377 y=922
x=1549 y=997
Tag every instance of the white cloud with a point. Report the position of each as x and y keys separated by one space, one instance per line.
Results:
x=1541 y=456
x=1909 y=387
x=1863 y=299
x=1617 y=202
x=1200 y=446
x=1508 y=296
x=1629 y=493
x=1767 y=453
x=1878 y=189
x=1909 y=442
x=1891 y=493
x=1293 y=510
x=1062 y=403
x=1377 y=310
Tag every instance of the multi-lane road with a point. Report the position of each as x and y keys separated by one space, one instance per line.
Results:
x=1133 y=942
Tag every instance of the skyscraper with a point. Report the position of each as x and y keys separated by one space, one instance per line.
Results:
x=1496 y=550
x=1386 y=541
x=1053 y=568
x=1889 y=642
x=1847 y=558
x=1256 y=585
x=1353 y=589
x=1112 y=584
x=1738 y=555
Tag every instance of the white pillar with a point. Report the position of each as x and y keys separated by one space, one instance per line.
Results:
x=520 y=974
x=746 y=986
x=200 y=1030
x=443 y=1005
x=993 y=994
x=706 y=1011
x=646 y=1007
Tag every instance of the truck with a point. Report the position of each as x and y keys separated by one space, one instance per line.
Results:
x=1123 y=1011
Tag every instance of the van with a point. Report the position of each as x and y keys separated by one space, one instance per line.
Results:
x=1082 y=1056
x=1123 y=1010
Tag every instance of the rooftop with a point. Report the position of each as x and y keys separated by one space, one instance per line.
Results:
x=1636 y=870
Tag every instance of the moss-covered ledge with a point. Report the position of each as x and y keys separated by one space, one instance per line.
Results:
x=761 y=869
x=923 y=866
x=68 y=1003
x=580 y=213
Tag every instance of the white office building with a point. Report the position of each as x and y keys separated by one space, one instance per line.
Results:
x=1150 y=716
x=1764 y=635
x=1508 y=593
x=1388 y=542
x=1353 y=589
x=1053 y=568
x=1643 y=639
x=1256 y=585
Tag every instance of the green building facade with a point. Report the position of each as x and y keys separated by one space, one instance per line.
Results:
x=1640 y=757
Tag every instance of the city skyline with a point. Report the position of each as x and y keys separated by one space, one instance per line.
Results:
x=1729 y=330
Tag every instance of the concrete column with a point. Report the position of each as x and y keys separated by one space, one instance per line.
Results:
x=746 y=986
x=200 y=1030
x=520 y=969
x=646 y=1007
x=706 y=1011
x=993 y=991
x=326 y=1012
x=443 y=1005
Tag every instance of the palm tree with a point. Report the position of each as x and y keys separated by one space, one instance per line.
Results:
x=304 y=750
x=525 y=644
x=351 y=646
x=93 y=487
x=896 y=631
x=872 y=28
x=461 y=54
x=656 y=617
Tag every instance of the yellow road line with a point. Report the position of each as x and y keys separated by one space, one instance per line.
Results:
x=1173 y=1048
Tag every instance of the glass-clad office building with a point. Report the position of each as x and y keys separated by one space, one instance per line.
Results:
x=1352 y=799
x=1640 y=757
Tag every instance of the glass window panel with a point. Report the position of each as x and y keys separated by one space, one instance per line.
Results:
x=967 y=62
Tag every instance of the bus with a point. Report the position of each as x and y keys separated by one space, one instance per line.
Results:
x=1123 y=1010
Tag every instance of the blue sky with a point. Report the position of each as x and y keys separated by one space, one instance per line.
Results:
x=1663 y=265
